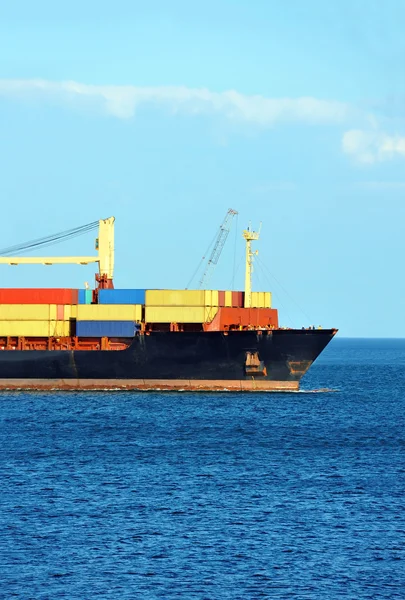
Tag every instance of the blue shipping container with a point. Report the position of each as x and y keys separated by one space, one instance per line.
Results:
x=105 y=328
x=121 y=296
x=85 y=297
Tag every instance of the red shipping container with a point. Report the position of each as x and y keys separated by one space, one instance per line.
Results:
x=221 y=298
x=38 y=296
x=238 y=299
x=243 y=317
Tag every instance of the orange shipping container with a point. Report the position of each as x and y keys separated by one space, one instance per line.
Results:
x=244 y=317
x=38 y=296
x=238 y=299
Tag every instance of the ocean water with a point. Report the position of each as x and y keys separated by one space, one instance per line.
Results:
x=210 y=496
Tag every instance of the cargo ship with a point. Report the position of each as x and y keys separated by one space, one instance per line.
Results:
x=108 y=338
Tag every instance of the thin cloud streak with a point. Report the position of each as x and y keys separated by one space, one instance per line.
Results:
x=366 y=145
x=380 y=185
x=369 y=147
x=123 y=101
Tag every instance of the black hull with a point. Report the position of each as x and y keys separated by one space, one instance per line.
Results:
x=176 y=357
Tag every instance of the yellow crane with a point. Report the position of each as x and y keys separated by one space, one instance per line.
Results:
x=250 y=236
x=104 y=247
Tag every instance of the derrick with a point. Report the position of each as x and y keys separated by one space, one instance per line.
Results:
x=104 y=247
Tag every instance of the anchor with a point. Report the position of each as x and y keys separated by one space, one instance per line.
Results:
x=253 y=364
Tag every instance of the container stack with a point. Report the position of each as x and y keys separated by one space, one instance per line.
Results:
x=261 y=299
x=180 y=306
x=117 y=314
x=195 y=306
x=37 y=312
x=85 y=296
x=229 y=299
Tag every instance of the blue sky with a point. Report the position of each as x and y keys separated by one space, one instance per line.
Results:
x=165 y=114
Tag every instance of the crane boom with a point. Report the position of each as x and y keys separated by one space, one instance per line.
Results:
x=104 y=258
x=218 y=246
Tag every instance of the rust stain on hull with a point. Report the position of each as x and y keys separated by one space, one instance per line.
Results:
x=299 y=367
x=203 y=385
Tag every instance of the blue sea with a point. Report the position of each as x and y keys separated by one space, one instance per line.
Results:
x=211 y=496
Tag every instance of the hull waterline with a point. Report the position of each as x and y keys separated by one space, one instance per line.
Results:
x=205 y=361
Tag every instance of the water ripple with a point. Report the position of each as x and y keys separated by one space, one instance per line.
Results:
x=205 y=496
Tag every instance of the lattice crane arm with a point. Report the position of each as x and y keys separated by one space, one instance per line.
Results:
x=218 y=246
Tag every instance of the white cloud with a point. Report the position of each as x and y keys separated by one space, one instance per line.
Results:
x=372 y=146
x=367 y=145
x=122 y=101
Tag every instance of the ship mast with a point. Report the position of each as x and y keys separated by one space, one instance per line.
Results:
x=250 y=236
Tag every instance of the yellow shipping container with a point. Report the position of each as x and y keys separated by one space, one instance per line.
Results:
x=211 y=298
x=261 y=299
x=37 y=312
x=228 y=298
x=179 y=314
x=59 y=328
x=35 y=328
x=70 y=311
x=181 y=298
x=63 y=312
x=27 y=312
x=109 y=312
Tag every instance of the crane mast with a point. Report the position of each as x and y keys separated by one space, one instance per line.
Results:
x=218 y=246
x=249 y=236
